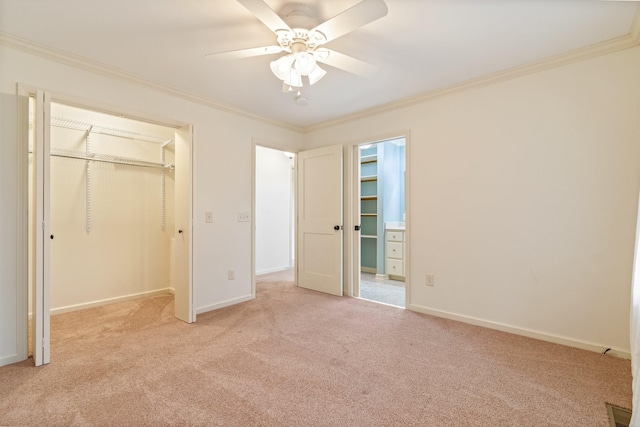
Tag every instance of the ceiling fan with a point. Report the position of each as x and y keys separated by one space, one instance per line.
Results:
x=304 y=47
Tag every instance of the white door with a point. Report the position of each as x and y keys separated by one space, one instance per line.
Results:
x=42 y=234
x=184 y=309
x=320 y=219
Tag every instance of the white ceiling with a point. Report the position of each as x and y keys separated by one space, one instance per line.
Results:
x=420 y=46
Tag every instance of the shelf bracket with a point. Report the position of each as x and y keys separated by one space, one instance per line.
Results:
x=162 y=188
x=88 y=181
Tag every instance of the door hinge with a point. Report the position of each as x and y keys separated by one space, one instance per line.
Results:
x=43 y=226
x=43 y=341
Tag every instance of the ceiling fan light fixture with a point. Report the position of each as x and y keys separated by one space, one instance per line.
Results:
x=282 y=66
x=293 y=79
x=305 y=63
x=322 y=54
x=316 y=75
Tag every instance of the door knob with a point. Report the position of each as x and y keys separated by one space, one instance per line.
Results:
x=337 y=227
x=51 y=237
x=180 y=231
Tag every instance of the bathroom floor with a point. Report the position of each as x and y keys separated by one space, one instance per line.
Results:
x=386 y=291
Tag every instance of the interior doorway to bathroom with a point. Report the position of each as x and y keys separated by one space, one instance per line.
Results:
x=382 y=214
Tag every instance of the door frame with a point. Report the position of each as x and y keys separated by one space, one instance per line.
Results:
x=25 y=90
x=256 y=142
x=352 y=214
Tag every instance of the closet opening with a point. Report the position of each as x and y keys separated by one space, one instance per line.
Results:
x=113 y=228
x=274 y=213
x=381 y=210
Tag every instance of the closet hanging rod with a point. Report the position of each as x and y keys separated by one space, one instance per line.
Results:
x=105 y=130
x=118 y=161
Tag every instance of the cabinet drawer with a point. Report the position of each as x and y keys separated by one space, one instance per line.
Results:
x=395 y=267
x=395 y=236
x=395 y=250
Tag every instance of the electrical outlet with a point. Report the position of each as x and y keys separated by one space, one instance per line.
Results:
x=208 y=217
x=231 y=274
x=244 y=216
x=430 y=280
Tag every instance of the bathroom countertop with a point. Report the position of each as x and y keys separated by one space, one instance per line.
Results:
x=394 y=225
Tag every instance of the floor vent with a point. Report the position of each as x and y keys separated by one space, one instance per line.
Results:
x=618 y=417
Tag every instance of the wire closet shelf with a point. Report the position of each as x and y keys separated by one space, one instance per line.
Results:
x=91 y=129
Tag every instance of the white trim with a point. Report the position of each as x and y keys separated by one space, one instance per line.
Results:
x=22 y=215
x=97 y=303
x=610 y=46
x=254 y=148
x=103 y=69
x=619 y=43
x=530 y=333
x=408 y=217
x=223 y=304
x=101 y=107
x=192 y=212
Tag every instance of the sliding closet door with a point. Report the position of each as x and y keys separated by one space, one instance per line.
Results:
x=184 y=309
x=42 y=231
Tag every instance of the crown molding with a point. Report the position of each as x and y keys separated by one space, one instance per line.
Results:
x=620 y=43
x=635 y=27
x=103 y=69
x=632 y=39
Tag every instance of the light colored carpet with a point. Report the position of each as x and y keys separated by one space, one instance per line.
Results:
x=294 y=357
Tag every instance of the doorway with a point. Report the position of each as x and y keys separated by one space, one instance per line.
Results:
x=274 y=215
x=114 y=198
x=382 y=212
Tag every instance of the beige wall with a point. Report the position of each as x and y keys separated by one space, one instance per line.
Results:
x=126 y=252
x=273 y=216
x=523 y=199
x=222 y=171
x=523 y=194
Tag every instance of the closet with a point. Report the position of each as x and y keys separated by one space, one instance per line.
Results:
x=111 y=186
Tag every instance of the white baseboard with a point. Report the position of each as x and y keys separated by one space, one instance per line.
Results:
x=557 y=339
x=106 y=301
x=272 y=270
x=223 y=304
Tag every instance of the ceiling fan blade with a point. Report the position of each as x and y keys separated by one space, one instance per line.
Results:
x=344 y=62
x=353 y=18
x=246 y=53
x=264 y=13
